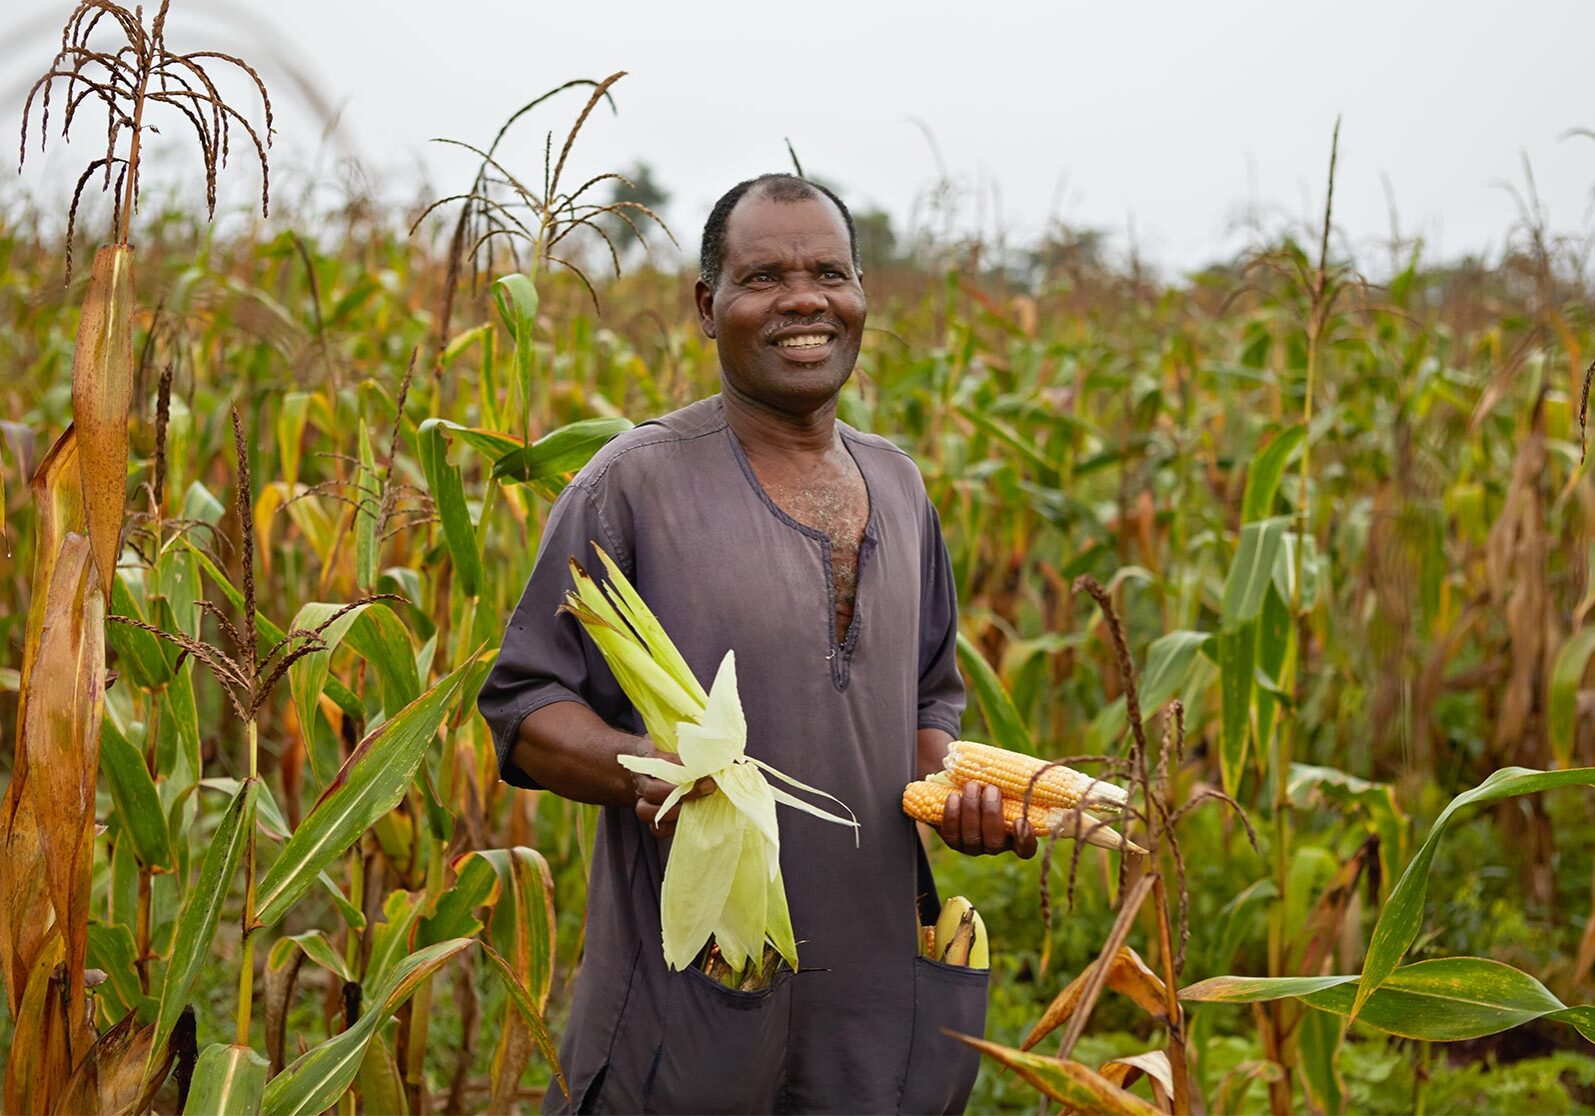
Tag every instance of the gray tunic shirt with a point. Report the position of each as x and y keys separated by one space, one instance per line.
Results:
x=677 y=505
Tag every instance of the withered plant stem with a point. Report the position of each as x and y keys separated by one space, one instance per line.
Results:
x=1129 y=908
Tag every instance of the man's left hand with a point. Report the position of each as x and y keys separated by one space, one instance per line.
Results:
x=972 y=823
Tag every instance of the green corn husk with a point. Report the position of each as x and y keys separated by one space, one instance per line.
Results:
x=723 y=876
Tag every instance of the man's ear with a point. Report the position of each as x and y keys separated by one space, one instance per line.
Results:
x=704 y=298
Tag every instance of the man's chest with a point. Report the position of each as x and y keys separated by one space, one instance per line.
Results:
x=834 y=501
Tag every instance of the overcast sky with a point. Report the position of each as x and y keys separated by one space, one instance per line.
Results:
x=1167 y=118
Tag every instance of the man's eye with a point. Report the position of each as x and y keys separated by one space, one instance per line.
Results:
x=832 y=273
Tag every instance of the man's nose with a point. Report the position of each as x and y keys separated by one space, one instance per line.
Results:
x=801 y=296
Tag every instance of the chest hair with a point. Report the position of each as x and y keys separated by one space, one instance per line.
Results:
x=832 y=499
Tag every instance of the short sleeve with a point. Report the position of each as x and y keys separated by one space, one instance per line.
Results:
x=544 y=656
x=941 y=689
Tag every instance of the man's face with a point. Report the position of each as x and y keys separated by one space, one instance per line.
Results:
x=788 y=312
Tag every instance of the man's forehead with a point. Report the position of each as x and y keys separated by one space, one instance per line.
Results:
x=761 y=224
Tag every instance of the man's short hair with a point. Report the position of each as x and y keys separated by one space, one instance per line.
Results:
x=776 y=187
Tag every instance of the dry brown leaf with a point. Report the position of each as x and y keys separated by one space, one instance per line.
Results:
x=23 y=896
x=61 y=734
x=1154 y=1064
x=102 y=391
x=39 y=1064
x=108 y=1077
x=1127 y=975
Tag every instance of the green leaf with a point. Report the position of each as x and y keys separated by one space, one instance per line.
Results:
x=315 y=946
x=181 y=712
x=383 y=640
x=1378 y=800
x=229 y=1079
x=1007 y=728
x=1071 y=1084
x=476 y=884
x=1402 y=913
x=137 y=805
x=1321 y=1034
x=371 y=782
x=1251 y=571
x=448 y=494
x=290 y=433
x=1169 y=662
x=316 y=1079
x=138 y=649
x=308 y=677
x=558 y=452
x=196 y=925
x=1273 y=643
x=390 y=938
x=1236 y=649
x=522 y=999
x=523 y=928
x=1442 y=1000
x=1567 y=678
x=367 y=525
x=113 y=951
x=1262 y=478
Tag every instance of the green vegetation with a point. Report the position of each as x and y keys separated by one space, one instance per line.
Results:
x=1346 y=527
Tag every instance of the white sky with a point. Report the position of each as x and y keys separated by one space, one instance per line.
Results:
x=1167 y=115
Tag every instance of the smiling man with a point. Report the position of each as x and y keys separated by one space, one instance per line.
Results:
x=754 y=520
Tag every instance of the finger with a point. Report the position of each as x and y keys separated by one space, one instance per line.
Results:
x=949 y=820
x=993 y=833
x=970 y=822
x=654 y=790
x=1024 y=839
x=703 y=786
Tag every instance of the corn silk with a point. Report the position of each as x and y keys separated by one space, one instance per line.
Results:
x=723 y=875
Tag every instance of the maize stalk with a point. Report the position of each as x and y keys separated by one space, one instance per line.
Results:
x=926 y=801
x=1012 y=773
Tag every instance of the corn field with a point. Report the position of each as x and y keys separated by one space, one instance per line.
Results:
x=1305 y=550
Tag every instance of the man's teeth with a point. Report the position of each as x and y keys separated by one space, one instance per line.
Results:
x=803 y=341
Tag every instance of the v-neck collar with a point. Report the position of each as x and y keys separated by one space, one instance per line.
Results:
x=839 y=653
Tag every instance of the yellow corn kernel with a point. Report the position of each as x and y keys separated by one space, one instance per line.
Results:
x=1011 y=773
x=926 y=801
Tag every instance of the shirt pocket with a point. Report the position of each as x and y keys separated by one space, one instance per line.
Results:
x=722 y=1050
x=941 y=1070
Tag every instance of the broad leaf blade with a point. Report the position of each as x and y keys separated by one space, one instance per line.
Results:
x=102 y=391
x=1007 y=727
x=229 y=1079
x=370 y=783
x=448 y=494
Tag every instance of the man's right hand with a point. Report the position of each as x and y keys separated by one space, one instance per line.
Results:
x=651 y=794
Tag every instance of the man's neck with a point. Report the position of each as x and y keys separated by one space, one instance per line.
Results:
x=765 y=430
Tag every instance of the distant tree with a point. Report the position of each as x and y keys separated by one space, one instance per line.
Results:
x=877 y=240
x=637 y=188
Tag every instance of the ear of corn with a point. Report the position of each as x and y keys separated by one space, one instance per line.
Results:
x=926 y=801
x=1011 y=773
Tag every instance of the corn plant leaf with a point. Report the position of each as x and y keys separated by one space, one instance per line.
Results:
x=307 y=678
x=1273 y=643
x=390 y=938
x=515 y=297
x=1320 y=1035
x=138 y=806
x=61 y=735
x=1251 y=571
x=196 y=925
x=58 y=499
x=316 y=947
x=1308 y=783
x=36 y=1067
x=522 y=929
x=138 y=649
x=367 y=496
x=448 y=494
x=378 y=1083
x=1002 y=719
x=1268 y=465
x=102 y=391
x=1402 y=914
x=113 y=951
x=1068 y=1082
x=476 y=884
x=1446 y=999
x=382 y=639
x=522 y=999
x=561 y=451
x=1567 y=679
x=371 y=782
x=228 y=1079
x=23 y=888
x=291 y=421
x=180 y=712
x=1236 y=655
x=314 y=1081
x=1169 y=661
x=110 y=1075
